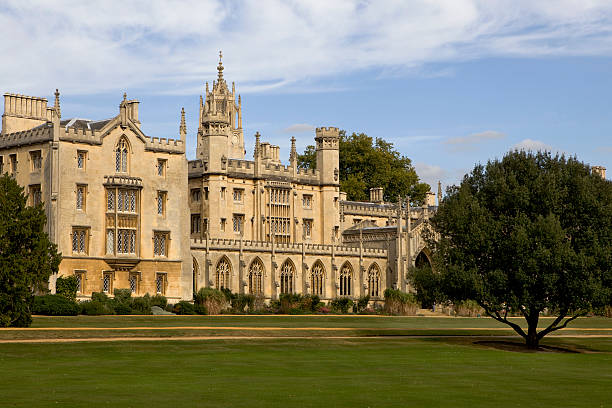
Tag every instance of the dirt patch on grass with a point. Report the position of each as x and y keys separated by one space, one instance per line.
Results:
x=520 y=347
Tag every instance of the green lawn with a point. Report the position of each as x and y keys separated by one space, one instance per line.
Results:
x=299 y=373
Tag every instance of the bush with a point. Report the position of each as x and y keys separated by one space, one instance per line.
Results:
x=240 y=301
x=55 y=305
x=362 y=303
x=159 y=301
x=213 y=300
x=100 y=304
x=122 y=303
x=142 y=305
x=468 y=308
x=398 y=303
x=184 y=308
x=341 y=304
x=66 y=287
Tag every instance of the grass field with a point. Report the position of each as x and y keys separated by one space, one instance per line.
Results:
x=396 y=367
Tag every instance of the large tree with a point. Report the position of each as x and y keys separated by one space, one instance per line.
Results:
x=367 y=163
x=527 y=234
x=27 y=257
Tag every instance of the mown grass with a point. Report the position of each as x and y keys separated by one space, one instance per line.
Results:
x=377 y=372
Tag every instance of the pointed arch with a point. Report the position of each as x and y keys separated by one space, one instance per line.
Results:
x=346 y=279
x=287 y=276
x=122 y=150
x=317 y=278
x=222 y=273
x=374 y=280
x=256 y=273
x=422 y=259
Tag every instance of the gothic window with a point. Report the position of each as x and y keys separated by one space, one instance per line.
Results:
x=195 y=223
x=79 y=240
x=161 y=168
x=238 y=222
x=256 y=278
x=374 y=281
x=222 y=273
x=121 y=156
x=286 y=277
x=126 y=241
x=238 y=194
x=36 y=159
x=195 y=195
x=346 y=280
x=317 y=278
x=160 y=243
x=307 y=201
x=307 y=225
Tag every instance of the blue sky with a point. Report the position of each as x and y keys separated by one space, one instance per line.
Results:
x=450 y=83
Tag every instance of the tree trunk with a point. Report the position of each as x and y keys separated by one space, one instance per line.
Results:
x=532 y=339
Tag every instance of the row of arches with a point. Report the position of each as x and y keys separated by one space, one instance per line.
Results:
x=288 y=275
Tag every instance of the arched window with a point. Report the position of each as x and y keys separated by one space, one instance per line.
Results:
x=346 y=280
x=422 y=260
x=121 y=156
x=374 y=281
x=222 y=274
x=286 y=277
x=317 y=279
x=256 y=277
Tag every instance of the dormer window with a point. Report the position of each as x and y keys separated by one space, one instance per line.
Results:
x=121 y=157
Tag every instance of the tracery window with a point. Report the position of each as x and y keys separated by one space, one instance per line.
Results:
x=81 y=194
x=121 y=156
x=374 y=281
x=317 y=278
x=286 y=277
x=256 y=278
x=79 y=240
x=222 y=274
x=346 y=279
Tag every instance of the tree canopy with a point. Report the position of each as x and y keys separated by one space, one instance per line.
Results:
x=367 y=163
x=27 y=257
x=523 y=235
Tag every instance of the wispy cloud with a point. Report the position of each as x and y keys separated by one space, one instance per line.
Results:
x=299 y=128
x=533 y=145
x=430 y=174
x=271 y=45
x=476 y=138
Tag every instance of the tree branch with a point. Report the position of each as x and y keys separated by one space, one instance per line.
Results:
x=553 y=326
x=495 y=315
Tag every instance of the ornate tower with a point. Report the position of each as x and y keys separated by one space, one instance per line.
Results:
x=328 y=155
x=220 y=135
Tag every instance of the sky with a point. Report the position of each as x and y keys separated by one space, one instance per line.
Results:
x=451 y=83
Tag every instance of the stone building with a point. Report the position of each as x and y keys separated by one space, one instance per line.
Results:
x=128 y=210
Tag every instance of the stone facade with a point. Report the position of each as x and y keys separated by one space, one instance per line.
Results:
x=128 y=210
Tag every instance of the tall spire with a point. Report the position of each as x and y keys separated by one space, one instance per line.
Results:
x=220 y=68
x=183 y=127
x=57 y=103
x=439 y=192
x=293 y=154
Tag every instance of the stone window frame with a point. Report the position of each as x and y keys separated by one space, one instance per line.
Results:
x=161 y=283
x=81 y=277
x=35 y=160
x=13 y=160
x=346 y=280
x=134 y=279
x=81 y=159
x=81 y=197
x=196 y=221
x=238 y=195
x=317 y=279
x=161 y=202
x=122 y=154
x=238 y=221
x=79 y=240
x=161 y=243
x=223 y=223
x=307 y=225
x=374 y=280
x=287 y=277
x=108 y=276
x=196 y=195
x=256 y=277
x=307 y=200
x=223 y=189
x=35 y=194
x=162 y=165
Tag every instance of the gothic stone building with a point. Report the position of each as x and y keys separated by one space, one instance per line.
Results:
x=128 y=210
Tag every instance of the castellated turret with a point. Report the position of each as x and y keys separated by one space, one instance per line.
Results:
x=220 y=135
x=600 y=171
x=328 y=154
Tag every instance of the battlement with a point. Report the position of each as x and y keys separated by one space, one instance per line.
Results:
x=327 y=132
x=39 y=134
x=82 y=135
x=165 y=144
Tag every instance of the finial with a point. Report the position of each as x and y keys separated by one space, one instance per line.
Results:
x=124 y=96
x=293 y=154
x=220 y=68
x=256 y=153
x=206 y=87
x=57 y=103
x=183 y=127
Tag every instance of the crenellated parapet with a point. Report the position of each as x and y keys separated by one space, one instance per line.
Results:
x=39 y=134
x=167 y=145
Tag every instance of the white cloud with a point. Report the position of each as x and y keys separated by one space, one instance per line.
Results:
x=171 y=47
x=430 y=174
x=533 y=145
x=299 y=128
x=476 y=138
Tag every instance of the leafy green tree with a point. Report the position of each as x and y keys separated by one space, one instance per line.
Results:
x=367 y=163
x=527 y=234
x=27 y=257
x=67 y=287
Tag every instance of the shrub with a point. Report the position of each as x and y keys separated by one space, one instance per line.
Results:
x=122 y=302
x=66 y=287
x=142 y=305
x=400 y=303
x=289 y=301
x=240 y=301
x=362 y=303
x=184 y=308
x=100 y=304
x=341 y=304
x=159 y=301
x=324 y=310
x=200 y=309
x=468 y=308
x=213 y=300
x=54 y=305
